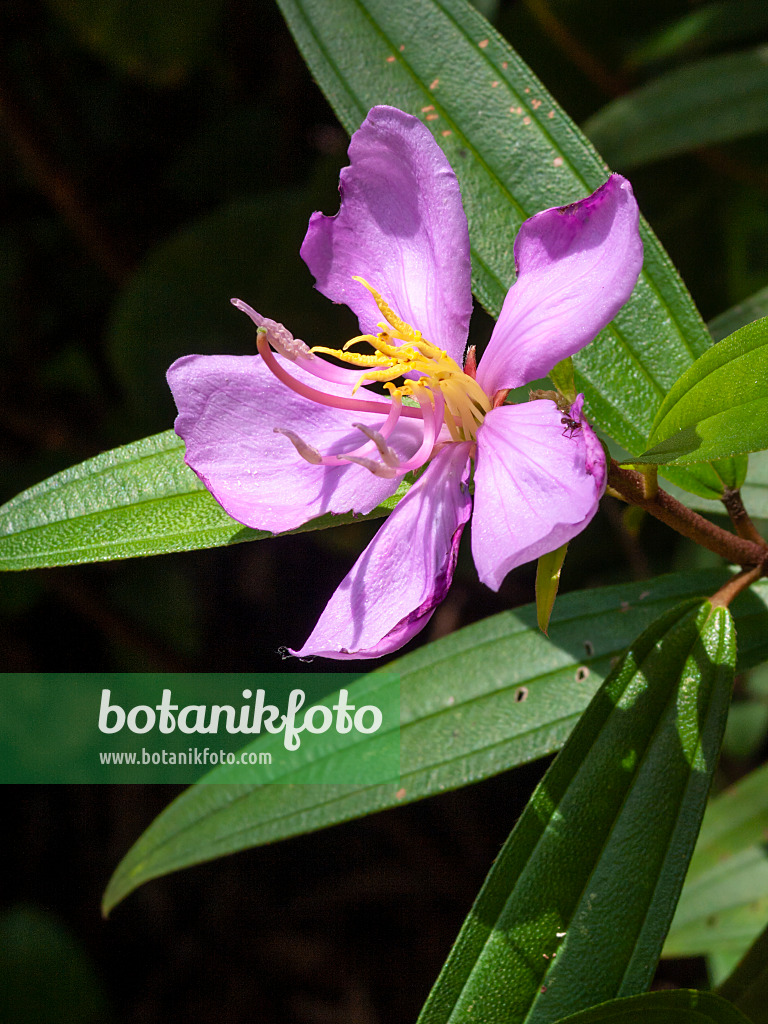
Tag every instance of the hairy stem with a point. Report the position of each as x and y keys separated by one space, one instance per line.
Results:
x=742 y=524
x=735 y=585
x=630 y=486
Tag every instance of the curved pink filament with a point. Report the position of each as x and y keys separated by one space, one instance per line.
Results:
x=433 y=420
x=369 y=447
x=321 y=397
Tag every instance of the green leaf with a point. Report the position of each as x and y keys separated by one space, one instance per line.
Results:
x=710 y=25
x=747 y=986
x=682 y=1006
x=719 y=407
x=702 y=104
x=754 y=492
x=547 y=935
x=724 y=903
x=735 y=820
x=724 y=910
x=515 y=152
x=45 y=974
x=754 y=489
x=490 y=696
x=141 y=499
x=707 y=479
x=160 y=43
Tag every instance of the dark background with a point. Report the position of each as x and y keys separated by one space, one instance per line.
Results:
x=154 y=163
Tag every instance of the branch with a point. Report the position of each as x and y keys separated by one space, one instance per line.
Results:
x=629 y=485
x=742 y=523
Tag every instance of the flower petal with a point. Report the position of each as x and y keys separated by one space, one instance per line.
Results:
x=229 y=407
x=402 y=227
x=404 y=573
x=538 y=481
x=576 y=267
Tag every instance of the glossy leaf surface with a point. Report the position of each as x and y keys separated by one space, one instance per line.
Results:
x=719 y=407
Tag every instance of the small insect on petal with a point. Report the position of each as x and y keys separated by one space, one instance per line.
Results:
x=571 y=426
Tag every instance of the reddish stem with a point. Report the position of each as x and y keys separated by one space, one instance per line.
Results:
x=630 y=486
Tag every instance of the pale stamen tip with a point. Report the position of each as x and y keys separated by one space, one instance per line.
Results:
x=377 y=468
x=306 y=451
x=388 y=455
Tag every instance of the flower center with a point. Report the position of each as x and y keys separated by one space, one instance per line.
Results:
x=401 y=351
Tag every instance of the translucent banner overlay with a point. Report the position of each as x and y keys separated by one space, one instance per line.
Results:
x=224 y=728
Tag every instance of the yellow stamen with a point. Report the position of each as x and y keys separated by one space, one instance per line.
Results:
x=400 y=349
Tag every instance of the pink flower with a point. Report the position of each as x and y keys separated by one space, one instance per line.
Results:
x=284 y=436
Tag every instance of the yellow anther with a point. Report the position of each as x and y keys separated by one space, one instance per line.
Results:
x=404 y=330
x=465 y=401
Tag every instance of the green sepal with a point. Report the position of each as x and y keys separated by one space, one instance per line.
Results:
x=547 y=583
x=562 y=377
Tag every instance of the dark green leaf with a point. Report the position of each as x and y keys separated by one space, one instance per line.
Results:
x=747 y=986
x=683 y=1006
x=702 y=104
x=577 y=904
x=712 y=24
x=45 y=974
x=515 y=152
x=486 y=698
x=707 y=479
x=719 y=407
x=754 y=489
x=138 y=500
